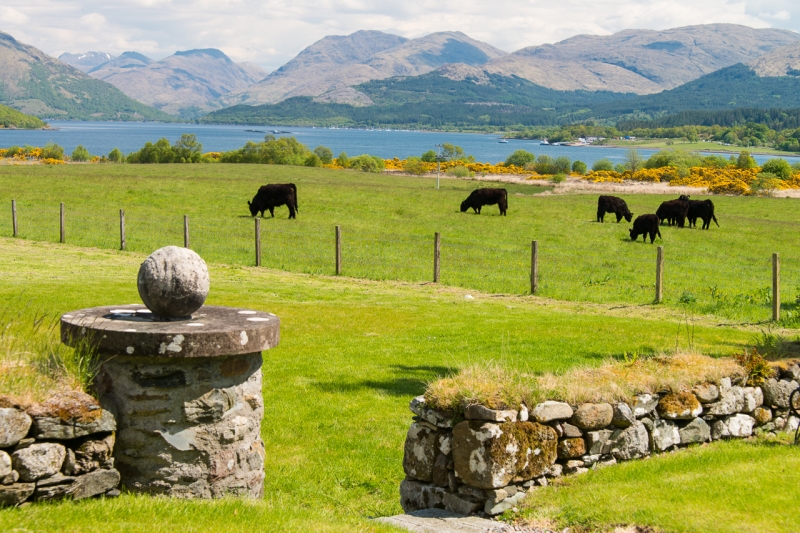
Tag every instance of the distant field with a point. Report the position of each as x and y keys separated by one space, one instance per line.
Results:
x=702 y=146
x=388 y=224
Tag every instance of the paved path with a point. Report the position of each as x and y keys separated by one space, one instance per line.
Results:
x=439 y=521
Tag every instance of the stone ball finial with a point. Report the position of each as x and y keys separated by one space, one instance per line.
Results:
x=173 y=282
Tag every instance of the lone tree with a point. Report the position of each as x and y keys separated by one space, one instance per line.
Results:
x=633 y=160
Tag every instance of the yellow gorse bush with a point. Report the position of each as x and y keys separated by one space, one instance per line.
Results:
x=398 y=164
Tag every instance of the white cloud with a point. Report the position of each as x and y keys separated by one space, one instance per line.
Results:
x=270 y=32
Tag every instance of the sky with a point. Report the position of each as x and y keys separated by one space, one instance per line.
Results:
x=270 y=33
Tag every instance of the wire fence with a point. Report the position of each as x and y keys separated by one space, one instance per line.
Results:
x=726 y=280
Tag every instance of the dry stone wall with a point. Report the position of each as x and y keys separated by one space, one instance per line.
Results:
x=59 y=449
x=484 y=461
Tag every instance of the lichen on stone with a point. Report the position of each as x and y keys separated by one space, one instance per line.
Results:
x=530 y=446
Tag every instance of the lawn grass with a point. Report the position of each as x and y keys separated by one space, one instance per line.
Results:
x=352 y=354
x=388 y=224
x=699 y=146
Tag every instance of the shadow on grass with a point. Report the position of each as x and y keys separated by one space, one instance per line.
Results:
x=408 y=380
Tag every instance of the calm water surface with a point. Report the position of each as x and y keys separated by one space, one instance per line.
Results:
x=101 y=137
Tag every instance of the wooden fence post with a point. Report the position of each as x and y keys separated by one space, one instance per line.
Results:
x=776 y=287
x=338 y=250
x=14 y=217
x=660 y=275
x=437 y=242
x=185 y=231
x=258 y=241
x=122 y=229
x=61 y=219
x=534 y=266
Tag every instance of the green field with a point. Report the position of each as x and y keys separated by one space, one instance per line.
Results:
x=388 y=223
x=354 y=351
x=699 y=146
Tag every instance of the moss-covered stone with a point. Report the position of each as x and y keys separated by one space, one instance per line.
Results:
x=571 y=448
x=679 y=406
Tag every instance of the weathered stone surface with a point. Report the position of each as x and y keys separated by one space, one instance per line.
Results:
x=452 y=481
x=575 y=466
x=792 y=423
x=93 y=484
x=489 y=455
x=439 y=472
x=644 y=404
x=496 y=495
x=598 y=442
x=58 y=429
x=706 y=392
x=91 y=455
x=173 y=282
x=630 y=443
x=753 y=397
x=570 y=431
x=591 y=416
x=623 y=416
x=731 y=401
x=14 y=425
x=457 y=504
x=11 y=495
x=549 y=411
x=420 y=452
x=11 y=478
x=777 y=392
x=437 y=418
x=569 y=448
x=479 y=412
x=475 y=493
x=738 y=425
x=762 y=415
x=38 y=460
x=555 y=470
x=415 y=495
x=679 y=406
x=791 y=372
x=505 y=505
x=664 y=435
x=524 y=414
x=696 y=431
x=58 y=479
x=5 y=464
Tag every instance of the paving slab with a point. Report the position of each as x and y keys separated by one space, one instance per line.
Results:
x=441 y=521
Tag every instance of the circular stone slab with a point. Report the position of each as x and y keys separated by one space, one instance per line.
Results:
x=131 y=330
x=173 y=282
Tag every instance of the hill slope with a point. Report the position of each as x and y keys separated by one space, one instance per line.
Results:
x=11 y=118
x=40 y=85
x=332 y=65
x=783 y=61
x=182 y=84
x=641 y=61
x=86 y=61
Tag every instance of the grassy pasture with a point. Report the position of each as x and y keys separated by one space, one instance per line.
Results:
x=388 y=224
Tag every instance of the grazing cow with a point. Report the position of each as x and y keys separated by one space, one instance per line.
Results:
x=481 y=197
x=612 y=204
x=673 y=212
x=645 y=225
x=702 y=209
x=273 y=195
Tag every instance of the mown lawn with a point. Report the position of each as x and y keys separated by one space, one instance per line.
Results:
x=336 y=390
x=388 y=224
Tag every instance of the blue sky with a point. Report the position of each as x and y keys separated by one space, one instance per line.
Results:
x=271 y=32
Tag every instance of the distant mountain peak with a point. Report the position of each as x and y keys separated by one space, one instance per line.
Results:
x=85 y=61
x=213 y=52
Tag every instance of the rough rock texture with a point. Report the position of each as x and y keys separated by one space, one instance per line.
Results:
x=437 y=418
x=739 y=425
x=598 y=442
x=5 y=464
x=420 y=452
x=200 y=417
x=479 y=412
x=762 y=415
x=644 y=405
x=694 y=432
x=679 y=406
x=630 y=443
x=91 y=455
x=731 y=401
x=753 y=397
x=69 y=415
x=15 y=494
x=777 y=392
x=623 y=416
x=706 y=392
x=570 y=431
x=571 y=448
x=549 y=411
x=14 y=425
x=415 y=495
x=664 y=435
x=457 y=504
x=173 y=282
x=592 y=416
x=505 y=505
x=38 y=460
x=488 y=455
x=58 y=429
x=85 y=486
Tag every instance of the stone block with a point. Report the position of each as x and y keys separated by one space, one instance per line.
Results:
x=5 y=464
x=695 y=432
x=664 y=435
x=630 y=443
x=550 y=411
x=644 y=404
x=415 y=496
x=791 y=372
x=570 y=448
x=439 y=472
x=679 y=406
x=524 y=414
x=753 y=397
x=39 y=460
x=597 y=442
x=731 y=401
x=457 y=504
x=623 y=416
x=571 y=432
x=575 y=467
x=420 y=452
x=475 y=493
x=777 y=392
x=479 y=412
x=591 y=416
x=503 y=506
x=11 y=495
x=489 y=455
x=93 y=454
x=419 y=407
x=734 y=426
x=10 y=479
x=762 y=415
x=69 y=415
x=14 y=426
x=555 y=470
x=706 y=392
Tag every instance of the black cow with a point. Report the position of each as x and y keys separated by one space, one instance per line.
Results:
x=481 y=197
x=673 y=212
x=273 y=195
x=702 y=209
x=645 y=225
x=612 y=204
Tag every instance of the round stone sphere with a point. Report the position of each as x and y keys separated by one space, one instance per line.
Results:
x=173 y=282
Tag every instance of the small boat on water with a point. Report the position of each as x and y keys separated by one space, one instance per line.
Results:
x=504 y=141
x=544 y=142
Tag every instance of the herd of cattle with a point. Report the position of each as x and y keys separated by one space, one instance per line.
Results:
x=673 y=212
